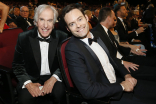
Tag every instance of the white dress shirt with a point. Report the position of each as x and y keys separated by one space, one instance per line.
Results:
x=45 y=70
x=28 y=22
x=103 y=58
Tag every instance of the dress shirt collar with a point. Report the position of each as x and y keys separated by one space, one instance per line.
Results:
x=15 y=16
x=95 y=16
x=106 y=30
x=85 y=40
x=26 y=19
x=120 y=19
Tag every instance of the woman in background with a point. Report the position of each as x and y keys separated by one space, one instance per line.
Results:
x=89 y=14
x=4 y=12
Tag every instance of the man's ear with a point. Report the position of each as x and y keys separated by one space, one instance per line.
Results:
x=67 y=28
x=86 y=18
x=108 y=18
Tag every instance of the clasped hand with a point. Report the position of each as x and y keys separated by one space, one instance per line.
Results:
x=129 y=83
x=34 y=90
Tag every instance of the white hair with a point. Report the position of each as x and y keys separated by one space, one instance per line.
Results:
x=22 y=7
x=43 y=7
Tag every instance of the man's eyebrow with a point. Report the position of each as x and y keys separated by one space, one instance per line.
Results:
x=43 y=18
x=79 y=17
x=70 y=23
x=40 y=18
x=76 y=19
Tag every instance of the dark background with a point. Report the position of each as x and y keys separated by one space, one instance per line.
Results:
x=103 y=2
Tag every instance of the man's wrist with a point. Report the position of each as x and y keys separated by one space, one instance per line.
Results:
x=122 y=87
x=25 y=83
x=127 y=76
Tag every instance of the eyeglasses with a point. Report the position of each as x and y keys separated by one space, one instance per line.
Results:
x=24 y=11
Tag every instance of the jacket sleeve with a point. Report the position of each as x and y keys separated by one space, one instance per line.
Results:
x=18 y=64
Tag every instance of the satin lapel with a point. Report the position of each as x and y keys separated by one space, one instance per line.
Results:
x=103 y=45
x=104 y=35
x=95 y=58
x=52 y=51
x=121 y=25
x=36 y=50
x=100 y=42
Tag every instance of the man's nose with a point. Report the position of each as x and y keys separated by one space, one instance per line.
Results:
x=78 y=24
x=45 y=24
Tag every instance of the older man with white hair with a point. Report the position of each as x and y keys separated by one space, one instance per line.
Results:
x=23 y=21
x=35 y=61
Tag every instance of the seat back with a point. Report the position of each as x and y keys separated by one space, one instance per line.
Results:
x=8 y=82
x=63 y=64
x=30 y=27
x=8 y=40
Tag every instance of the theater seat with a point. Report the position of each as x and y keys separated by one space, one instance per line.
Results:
x=30 y=27
x=72 y=94
x=8 y=40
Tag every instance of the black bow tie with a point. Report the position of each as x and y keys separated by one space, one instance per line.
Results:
x=91 y=40
x=43 y=39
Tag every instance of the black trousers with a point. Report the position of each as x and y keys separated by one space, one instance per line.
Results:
x=146 y=69
x=143 y=93
x=56 y=97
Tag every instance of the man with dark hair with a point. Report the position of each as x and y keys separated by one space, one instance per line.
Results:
x=93 y=70
x=16 y=13
x=121 y=27
x=140 y=66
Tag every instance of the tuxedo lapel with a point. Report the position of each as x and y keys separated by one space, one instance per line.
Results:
x=94 y=57
x=36 y=50
x=51 y=53
x=96 y=60
x=104 y=36
x=120 y=24
x=100 y=42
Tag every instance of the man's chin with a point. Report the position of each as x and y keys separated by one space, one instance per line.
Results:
x=44 y=35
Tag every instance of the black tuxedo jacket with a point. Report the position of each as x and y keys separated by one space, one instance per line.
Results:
x=87 y=72
x=134 y=24
x=112 y=45
x=27 y=56
x=22 y=23
x=13 y=16
x=149 y=15
x=123 y=34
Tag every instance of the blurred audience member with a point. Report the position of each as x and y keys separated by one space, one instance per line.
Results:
x=95 y=20
x=31 y=14
x=16 y=12
x=23 y=20
x=89 y=14
x=4 y=12
x=149 y=14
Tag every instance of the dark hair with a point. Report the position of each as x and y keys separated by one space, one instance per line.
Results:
x=70 y=7
x=117 y=8
x=15 y=7
x=104 y=13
